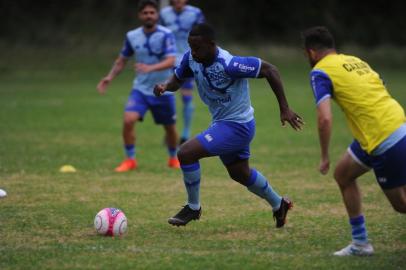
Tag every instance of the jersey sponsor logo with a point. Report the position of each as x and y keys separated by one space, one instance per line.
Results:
x=243 y=67
x=218 y=100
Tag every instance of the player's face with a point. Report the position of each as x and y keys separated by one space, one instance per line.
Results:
x=202 y=50
x=148 y=16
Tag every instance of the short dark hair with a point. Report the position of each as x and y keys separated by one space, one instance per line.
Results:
x=318 y=37
x=143 y=3
x=203 y=30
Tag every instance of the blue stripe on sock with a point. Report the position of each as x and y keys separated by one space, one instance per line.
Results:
x=129 y=146
x=130 y=150
x=359 y=237
x=172 y=151
x=358 y=231
x=190 y=167
x=357 y=220
x=187 y=98
x=265 y=187
x=253 y=177
x=193 y=183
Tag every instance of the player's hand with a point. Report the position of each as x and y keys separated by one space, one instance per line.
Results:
x=102 y=86
x=292 y=118
x=143 y=68
x=159 y=89
x=324 y=166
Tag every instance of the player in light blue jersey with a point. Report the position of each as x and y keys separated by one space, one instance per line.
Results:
x=222 y=83
x=153 y=47
x=180 y=18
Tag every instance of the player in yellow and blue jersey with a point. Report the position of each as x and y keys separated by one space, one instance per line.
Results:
x=154 y=50
x=180 y=17
x=222 y=83
x=376 y=120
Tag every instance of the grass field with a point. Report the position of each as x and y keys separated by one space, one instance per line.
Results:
x=51 y=115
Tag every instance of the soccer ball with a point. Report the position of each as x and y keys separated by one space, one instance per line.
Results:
x=110 y=221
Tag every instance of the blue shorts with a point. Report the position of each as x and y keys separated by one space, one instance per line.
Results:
x=389 y=167
x=163 y=108
x=229 y=140
x=188 y=84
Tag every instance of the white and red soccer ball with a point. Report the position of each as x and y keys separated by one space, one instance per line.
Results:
x=111 y=222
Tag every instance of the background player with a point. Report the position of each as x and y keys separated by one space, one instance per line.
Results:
x=223 y=87
x=180 y=18
x=376 y=121
x=154 y=49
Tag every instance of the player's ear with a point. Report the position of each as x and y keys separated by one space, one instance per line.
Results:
x=312 y=53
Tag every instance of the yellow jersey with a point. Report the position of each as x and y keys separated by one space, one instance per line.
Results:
x=371 y=113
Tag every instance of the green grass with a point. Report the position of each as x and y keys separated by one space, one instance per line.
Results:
x=51 y=115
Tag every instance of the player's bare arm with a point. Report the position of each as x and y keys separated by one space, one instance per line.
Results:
x=168 y=62
x=324 y=123
x=118 y=66
x=271 y=73
x=172 y=85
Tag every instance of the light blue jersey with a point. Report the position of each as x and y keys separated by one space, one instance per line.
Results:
x=180 y=24
x=223 y=86
x=149 y=48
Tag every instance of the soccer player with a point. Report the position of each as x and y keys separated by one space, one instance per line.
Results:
x=180 y=18
x=153 y=47
x=222 y=84
x=376 y=121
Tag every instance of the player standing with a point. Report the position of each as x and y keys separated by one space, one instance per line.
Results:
x=180 y=18
x=153 y=47
x=376 y=120
x=222 y=84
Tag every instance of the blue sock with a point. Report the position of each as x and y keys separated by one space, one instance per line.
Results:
x=188 y=109
x=191 y=177
x=172 y=151
x=259 y=185
x=130 y=150
x=358 y=230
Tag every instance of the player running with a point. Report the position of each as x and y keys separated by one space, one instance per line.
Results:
x=376 y=121
x=222 y=84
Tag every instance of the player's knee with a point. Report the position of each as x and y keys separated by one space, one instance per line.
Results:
x=338 y=177
x=129 y=121
x=239 y=176
x=341 y=179
x=184 y=155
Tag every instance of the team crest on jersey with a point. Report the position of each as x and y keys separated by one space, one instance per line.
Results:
x=218 y=78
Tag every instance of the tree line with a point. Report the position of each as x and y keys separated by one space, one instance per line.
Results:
x=367 y=23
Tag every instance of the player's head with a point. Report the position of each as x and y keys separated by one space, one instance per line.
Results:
x=317 y=42
x=178 y=4
x=148 y=13
x=202 y=43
